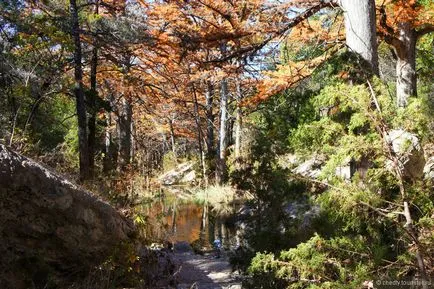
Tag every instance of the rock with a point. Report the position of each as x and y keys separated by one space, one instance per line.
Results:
x=50 y=224
x=409 y=151
x=183 y=173
x=344 y=171
x=428 y=169
x=310 y=168
x=288 y=161
x=159 y=267
x=189 y=177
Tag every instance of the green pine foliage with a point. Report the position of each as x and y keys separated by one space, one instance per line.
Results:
x=360 y=233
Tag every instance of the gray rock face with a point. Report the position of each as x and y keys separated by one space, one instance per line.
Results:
x=48 y=222
x=311 y=168
x=409 y=151
x=183 y=173
x=428 y=170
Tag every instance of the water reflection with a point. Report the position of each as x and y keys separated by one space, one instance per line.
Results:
x=182 y=220
x=187 y=225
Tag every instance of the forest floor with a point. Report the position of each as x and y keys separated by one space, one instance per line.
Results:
x=205 y=272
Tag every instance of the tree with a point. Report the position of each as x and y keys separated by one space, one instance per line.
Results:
x=402 y=24
x=221 y=169
x=209 y=98
x=238 y=118
x=93 y=95
x=125 y=133
x=361 y=36
x=79 y=93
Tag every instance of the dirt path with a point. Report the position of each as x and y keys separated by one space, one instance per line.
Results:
x=205 y=272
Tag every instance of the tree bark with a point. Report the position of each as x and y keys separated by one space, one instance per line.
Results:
x=406 y=82
x=111 y=149
x=221 y=157
x=125 y=134
x=92 y=105
x=238 y=119
x=172 y=137
x=199 y=131
x=209 y=119
x=79 y=94
x=360 y=25
x=210 y=151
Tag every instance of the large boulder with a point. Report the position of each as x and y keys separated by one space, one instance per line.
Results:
x=183 y=174
x=410 y=155
x=48 y=224
x=310 y=168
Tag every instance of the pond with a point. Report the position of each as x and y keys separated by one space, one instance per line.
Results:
x=182 y=220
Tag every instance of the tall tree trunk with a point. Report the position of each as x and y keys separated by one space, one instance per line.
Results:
x=79 y=94
x=406 y=82
x=92 y=104
x=210 y=151
x=92 y=112
x=108 y=156
x=125 y=119
x=172 y=137
x=199 y=130
x=133 y=140
x=209 y=93
x=360 y=26
x=223 y=143
x=111 y=149
x=238 y=119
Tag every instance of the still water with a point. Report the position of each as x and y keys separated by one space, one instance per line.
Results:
x=169 y=220
x=175 y=220
x=187 y=226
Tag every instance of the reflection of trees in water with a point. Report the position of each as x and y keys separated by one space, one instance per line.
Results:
x=185 y=222
x=175 y=220
x=223 y=228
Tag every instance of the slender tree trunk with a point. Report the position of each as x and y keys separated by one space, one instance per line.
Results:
x=133 y=140
x=360 y=25
x=223 y=143
x=406 y=82
x=409 y=227
x=209 y=119
x=36 y=104
x=14 y=124
x=107 y=161
x=111 y=148
x=238 y=120
x=79 y=94
x=92 y=104
x=125 y=119
x=172 y=137
x=210 y=151
x=92 y=112
x=199 y=129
